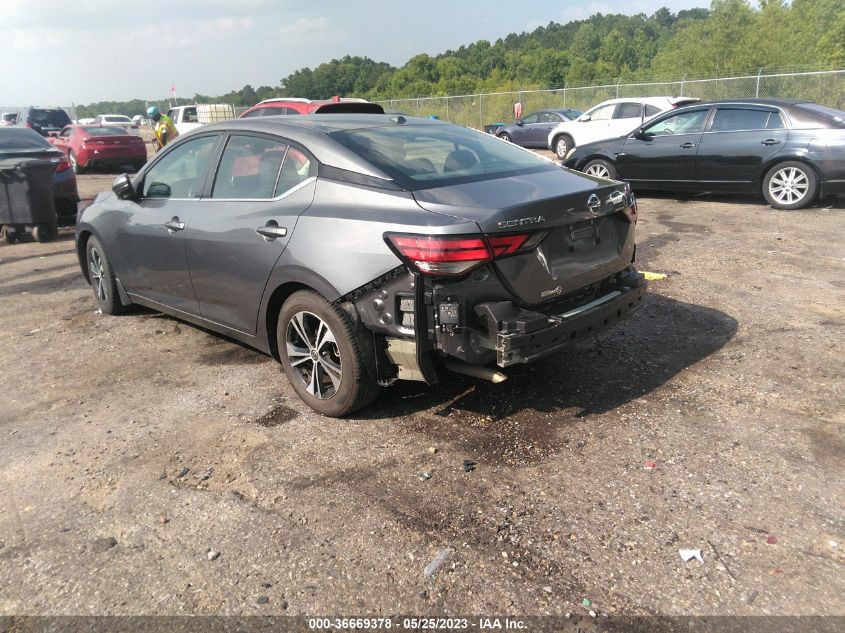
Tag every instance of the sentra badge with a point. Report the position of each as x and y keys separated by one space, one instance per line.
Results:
x=509 y=224
x=551 y=293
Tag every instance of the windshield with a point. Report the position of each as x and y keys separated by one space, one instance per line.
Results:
x=17 y=139
x=809 y=115
x=425 y=156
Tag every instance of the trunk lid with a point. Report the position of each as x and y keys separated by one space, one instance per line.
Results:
x=588 y=235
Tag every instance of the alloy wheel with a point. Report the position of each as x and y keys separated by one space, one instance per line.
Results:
x=314 y=355
x=598 y=170
x=73 y=164
x=561 y=147
x=789 y=185
x=95 y=266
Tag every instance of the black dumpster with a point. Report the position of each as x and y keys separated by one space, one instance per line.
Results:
x=26 y=198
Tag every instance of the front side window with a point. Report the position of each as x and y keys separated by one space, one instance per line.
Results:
x=628 y=111
x=681 y=123
x=602 y=113
x=177 y=174
x=531 y=118
x=735 y=119
x=419 y=156
x=259 y=168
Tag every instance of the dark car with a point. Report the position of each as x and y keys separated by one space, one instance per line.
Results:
x=359 y=249
x=90 y=146
x=533 y=129
x=43 y=120
x=790 y=151
x=17 y=143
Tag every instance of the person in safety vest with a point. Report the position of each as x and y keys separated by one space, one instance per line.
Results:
x=163 y=127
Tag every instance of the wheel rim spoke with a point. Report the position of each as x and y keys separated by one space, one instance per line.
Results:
x=298 y=355
x=332 y=371
x=298 y=324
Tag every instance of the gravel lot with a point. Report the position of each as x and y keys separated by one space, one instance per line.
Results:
x=131 y=447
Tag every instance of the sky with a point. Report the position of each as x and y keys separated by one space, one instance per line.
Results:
x=59 y=52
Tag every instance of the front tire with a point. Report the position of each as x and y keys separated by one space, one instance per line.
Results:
x=102 y=278
x=10 y=235
x=505 y=137
x=321 y=356
x=562 y=145
x=600 y=168
x=790 y=185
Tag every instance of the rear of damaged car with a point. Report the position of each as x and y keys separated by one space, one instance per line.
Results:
x=539 y=257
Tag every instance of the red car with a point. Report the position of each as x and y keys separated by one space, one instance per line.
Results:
x=89 y=146
x=295 y=105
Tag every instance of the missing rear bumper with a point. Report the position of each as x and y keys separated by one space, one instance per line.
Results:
x=523 y=336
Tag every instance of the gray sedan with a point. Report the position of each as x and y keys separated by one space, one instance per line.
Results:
x=363 y=249
x=533 y=129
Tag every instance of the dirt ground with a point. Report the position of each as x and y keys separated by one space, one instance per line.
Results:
x=713 y=419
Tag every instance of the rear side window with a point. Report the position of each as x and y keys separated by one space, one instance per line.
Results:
x=736 y=119
x=254 y=113
x=190 y=115
x=651 y=111
x=259 y=168
x=813 y=116
x=628 y=111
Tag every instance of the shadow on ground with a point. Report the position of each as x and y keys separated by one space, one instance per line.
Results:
x=528 y=415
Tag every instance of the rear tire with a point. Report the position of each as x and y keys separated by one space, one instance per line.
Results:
x=562 y=144
x=74 y=163
x=42 y=233
x=321 y=356
x=790 y=185
x=600 y=168
x=102 y=278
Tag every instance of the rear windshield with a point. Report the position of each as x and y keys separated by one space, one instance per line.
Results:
x=106 y=131
x=16 y=139
x=117 y=119
x=813 y=115
x=59 y=118
x=425 y=156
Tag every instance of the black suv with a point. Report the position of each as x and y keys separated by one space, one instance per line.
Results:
x=43 y=120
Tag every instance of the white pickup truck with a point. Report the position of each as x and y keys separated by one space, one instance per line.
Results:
x=190 y=117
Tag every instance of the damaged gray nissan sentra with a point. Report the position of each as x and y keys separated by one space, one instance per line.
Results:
x=362 y=249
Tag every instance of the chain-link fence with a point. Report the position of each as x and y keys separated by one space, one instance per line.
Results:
x=825 y=87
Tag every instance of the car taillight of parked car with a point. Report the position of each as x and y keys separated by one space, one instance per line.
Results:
x=450 y=255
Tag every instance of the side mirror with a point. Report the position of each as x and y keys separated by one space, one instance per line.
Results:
x=519 y=122
x=585 y=117
x=159 y=190
x=122 y=187
x=639 y=134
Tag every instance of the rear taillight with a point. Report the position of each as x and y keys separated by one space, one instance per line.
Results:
x=27 y=124
x=63 y=165
x=451 y=255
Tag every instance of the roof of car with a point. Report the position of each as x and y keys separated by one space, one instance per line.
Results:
x=313 y=130
x=325 y=123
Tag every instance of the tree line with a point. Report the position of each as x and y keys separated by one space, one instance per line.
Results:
x=730 y=36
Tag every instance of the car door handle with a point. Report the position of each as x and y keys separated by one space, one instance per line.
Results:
x=174 y=225
x=770 y=141
x=271 y=231
x=688 y=145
